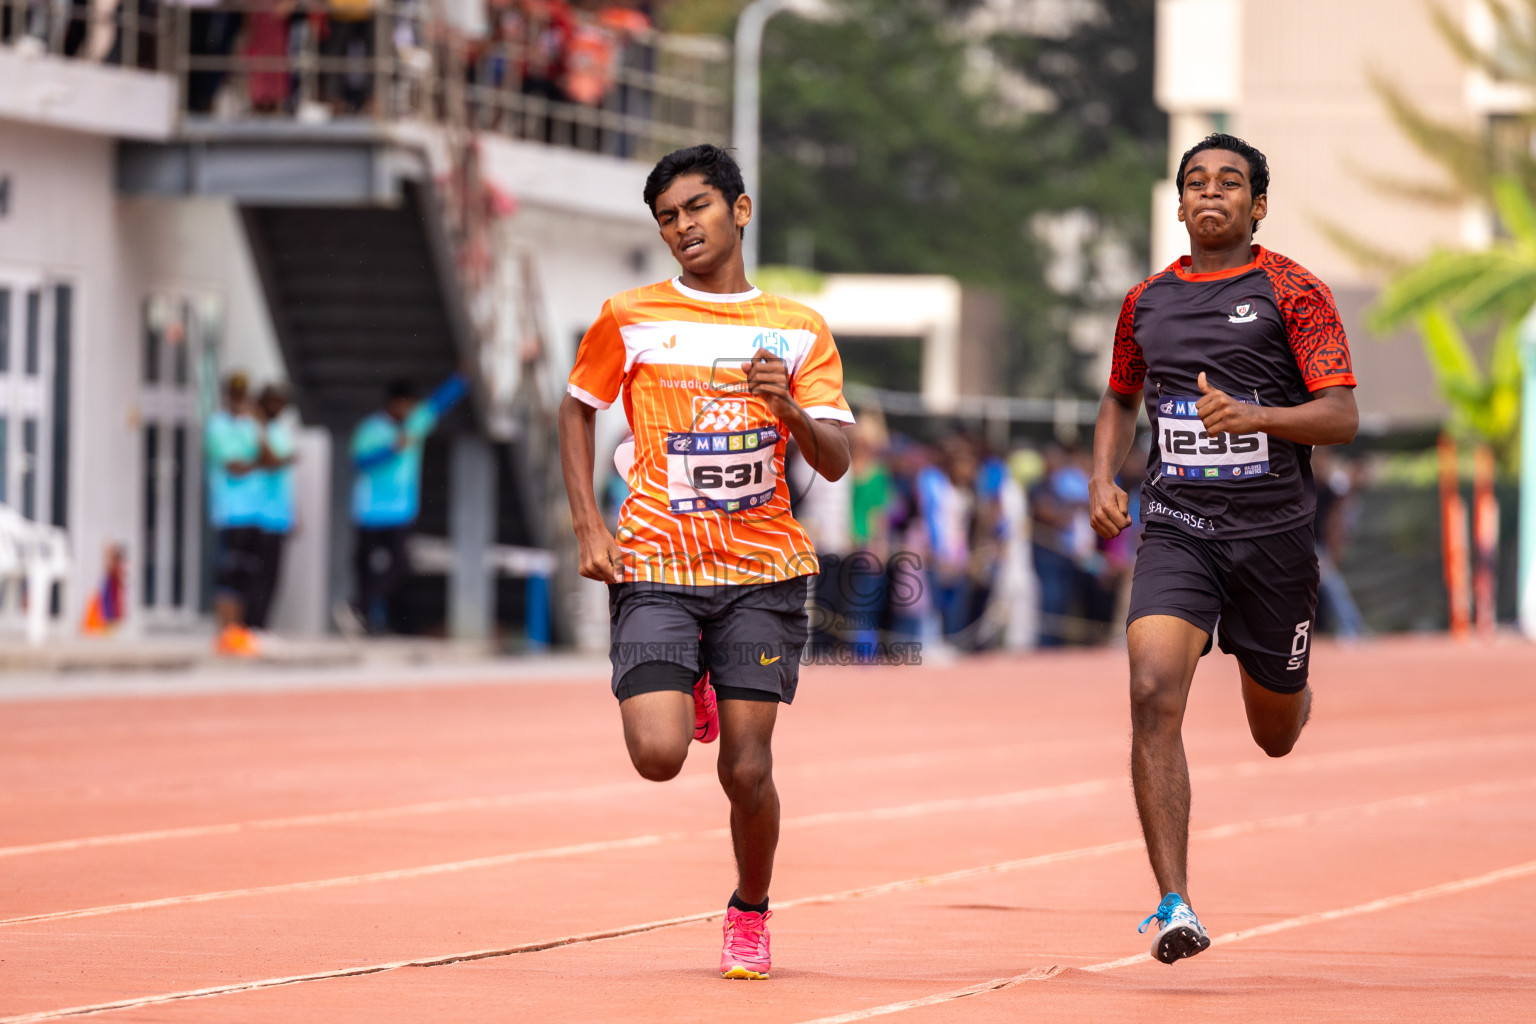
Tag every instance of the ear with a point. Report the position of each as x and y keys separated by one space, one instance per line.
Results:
x=743 y=211
x=1261 y=207
x=1181 y=211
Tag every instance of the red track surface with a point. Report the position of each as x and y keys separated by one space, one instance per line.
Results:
x=958 y=838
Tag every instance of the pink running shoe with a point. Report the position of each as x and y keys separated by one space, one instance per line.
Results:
x=746 y=945
x=706 y=712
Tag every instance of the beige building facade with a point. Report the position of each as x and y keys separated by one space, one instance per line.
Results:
x=1295 y=80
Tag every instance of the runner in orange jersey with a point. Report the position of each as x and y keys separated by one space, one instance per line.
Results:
x=708 y=572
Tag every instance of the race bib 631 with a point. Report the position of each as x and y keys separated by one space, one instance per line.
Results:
x=721 y=471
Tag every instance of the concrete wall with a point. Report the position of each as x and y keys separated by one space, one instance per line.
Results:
x=65 y=221
x=61 y=222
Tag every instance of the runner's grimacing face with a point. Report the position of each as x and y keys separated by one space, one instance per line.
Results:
x=699 y=226
x=1217 y=205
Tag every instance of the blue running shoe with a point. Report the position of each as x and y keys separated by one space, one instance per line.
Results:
x=1179 y=931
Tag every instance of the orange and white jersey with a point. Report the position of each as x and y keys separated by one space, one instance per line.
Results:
x=708 y=503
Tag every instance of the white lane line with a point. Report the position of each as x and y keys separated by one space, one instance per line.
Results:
x=491 y=802
x=925 y=881
x=1240 y=769
x=1301 y=921
x=991 y=802
x=906 y=811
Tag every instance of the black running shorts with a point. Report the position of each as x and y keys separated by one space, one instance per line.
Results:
x=1262 y=591
x=749 y=636
x=237 y=562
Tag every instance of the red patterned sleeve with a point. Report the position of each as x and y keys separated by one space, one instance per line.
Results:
x=1312 y=325
x=1128 y=370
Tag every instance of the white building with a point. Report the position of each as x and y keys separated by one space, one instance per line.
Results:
x=146 y=252
x=1294 y=79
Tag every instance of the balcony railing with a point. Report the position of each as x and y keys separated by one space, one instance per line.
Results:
x=592 y=82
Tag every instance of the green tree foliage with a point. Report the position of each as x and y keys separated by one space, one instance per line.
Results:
x=900 y=137
x=1451 y=291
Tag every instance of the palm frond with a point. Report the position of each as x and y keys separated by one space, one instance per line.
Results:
x=1364 y=253
x=1437 y=281
x=1450 y=357
x=1516 y=210
x=1456 y=38
x=1463 y=153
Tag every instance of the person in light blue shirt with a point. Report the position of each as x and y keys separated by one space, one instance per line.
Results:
x=275 y=511
x=386 y=491
x=232 y=446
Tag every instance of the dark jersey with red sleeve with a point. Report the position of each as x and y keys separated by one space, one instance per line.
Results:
x=1266 y=332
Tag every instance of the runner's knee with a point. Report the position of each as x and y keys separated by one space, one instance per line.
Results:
x=745 y=776
x=657 y=759
x=1157 y=700
x=1276 y=720
x=657 y=726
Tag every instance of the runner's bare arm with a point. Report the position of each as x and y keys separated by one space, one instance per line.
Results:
x=823 y=443
x=1113 y=433
x=600 y=555
x=1330 y=418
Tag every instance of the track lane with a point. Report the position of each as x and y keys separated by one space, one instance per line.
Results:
x=926 y=883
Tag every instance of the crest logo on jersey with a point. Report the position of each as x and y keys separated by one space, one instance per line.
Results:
x=719 y=414
x=1243 y=311
x=670 y=342
x=774 y=342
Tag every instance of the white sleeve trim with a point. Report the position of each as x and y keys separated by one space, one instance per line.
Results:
x=828 y=412
x=586 y=396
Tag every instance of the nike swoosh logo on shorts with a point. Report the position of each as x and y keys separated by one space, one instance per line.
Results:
x=763 y=659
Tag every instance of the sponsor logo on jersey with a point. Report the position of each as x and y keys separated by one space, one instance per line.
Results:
x=719 y=414
x=1243 y=311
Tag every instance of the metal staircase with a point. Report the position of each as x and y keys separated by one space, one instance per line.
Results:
x=359 y=297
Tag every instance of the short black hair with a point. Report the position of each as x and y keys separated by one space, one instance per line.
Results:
x=1258 y=166
x=400 y=387
x=716 y=166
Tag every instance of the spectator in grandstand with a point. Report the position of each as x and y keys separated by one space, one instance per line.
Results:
x=349 y=39
x=232 y=444
x=263 y=50
x=386 y=493
x=864 y=585
x=946 y=497
x=276 y=515
x=1334 y=521
x=989 y=540
x=212 y=39
x=1109 y=592
x=543 y=31
x=1059 y=511
x=909 y=601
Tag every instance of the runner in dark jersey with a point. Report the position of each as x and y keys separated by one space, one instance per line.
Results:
x=1244 y=366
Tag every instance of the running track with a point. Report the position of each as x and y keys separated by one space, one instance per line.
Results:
x=960 y=845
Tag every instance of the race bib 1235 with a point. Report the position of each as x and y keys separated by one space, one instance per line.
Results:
x=1189 y=453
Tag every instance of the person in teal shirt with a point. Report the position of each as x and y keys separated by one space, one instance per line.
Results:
x=275 y=511
x=232 y=446
x=386 y=491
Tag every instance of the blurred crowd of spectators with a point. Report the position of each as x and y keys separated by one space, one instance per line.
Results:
x=962 y=546
x=566 y=51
